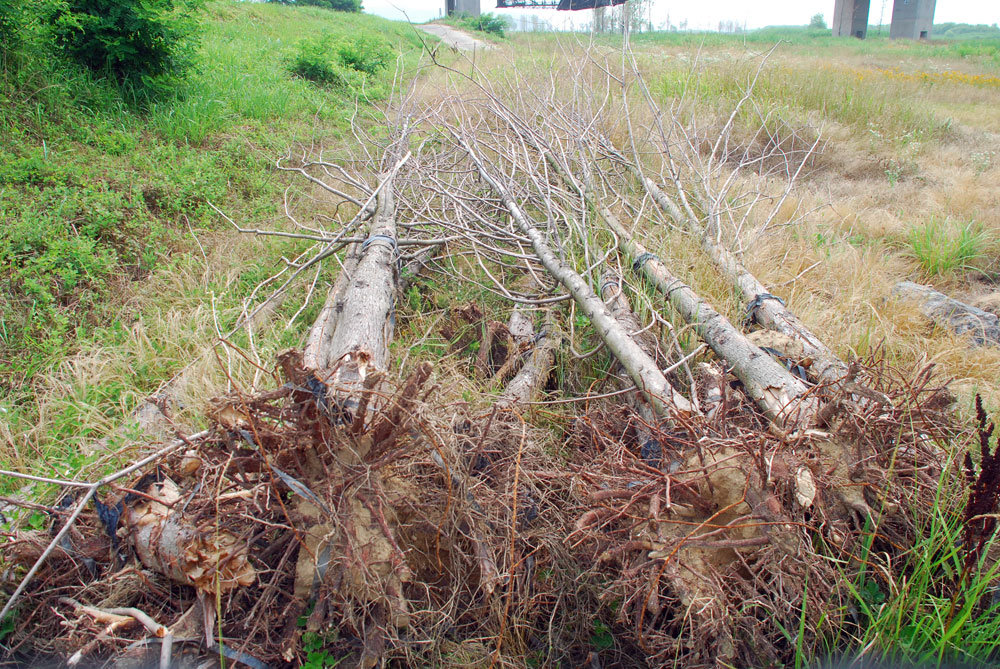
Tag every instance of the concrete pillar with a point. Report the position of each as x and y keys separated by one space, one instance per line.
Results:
x=912 y=19
x=470 y=7
x=850 y=18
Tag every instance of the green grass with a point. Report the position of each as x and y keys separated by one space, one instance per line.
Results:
x=96 y=193
x=942 y=247
x=918 y=617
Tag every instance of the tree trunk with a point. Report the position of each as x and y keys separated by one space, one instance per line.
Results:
x=781 y=396
x=640 y=367
x=767 y=309
x=536 y=369
x=317 y=348
x=981 y=326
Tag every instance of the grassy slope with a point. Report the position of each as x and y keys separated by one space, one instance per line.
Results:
x=115 y=269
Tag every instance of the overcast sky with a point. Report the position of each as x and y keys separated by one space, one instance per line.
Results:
x=707 y=13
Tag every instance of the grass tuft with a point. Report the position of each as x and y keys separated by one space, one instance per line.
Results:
x=942 y=247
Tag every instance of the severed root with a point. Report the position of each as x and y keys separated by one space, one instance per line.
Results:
x=167 y=542
x=115 y=619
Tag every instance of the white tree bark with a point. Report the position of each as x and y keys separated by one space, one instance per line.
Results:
x=781 y=396
x=528 y=381
x=768 y=310
x=360 y=341
x=639 y=366
x=315 y=355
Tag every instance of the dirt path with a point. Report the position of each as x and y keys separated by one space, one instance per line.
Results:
x=456 y=38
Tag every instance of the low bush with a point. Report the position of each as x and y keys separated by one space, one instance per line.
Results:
x=141 y=43
x=316 y=60
x=365 y=54
x=484 y=23
x=340 y=63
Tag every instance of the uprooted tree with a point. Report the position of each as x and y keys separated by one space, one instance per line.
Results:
x=700 y=504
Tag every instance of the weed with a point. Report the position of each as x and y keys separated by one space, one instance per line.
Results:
x=893 y=172
x=317 y=657
x=981 y=160
x=366 y=54
x=910 y=624
x=486 y=23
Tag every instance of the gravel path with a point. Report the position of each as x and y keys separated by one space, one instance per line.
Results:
x=456 y=38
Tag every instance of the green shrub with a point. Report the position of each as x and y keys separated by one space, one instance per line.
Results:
x=316 y=60
x=10 y=23
x=365 y=54
x=339 y=63
x=144 y=43
x=484 y=23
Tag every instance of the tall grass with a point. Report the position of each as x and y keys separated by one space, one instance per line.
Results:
x=915 y=615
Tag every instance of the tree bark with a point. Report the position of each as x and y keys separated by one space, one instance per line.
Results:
x=360 y=341
x=982 y=327
x=532 y=376
x=767 y=309
x=315 y=355
x=781 y=396
x=640 y=367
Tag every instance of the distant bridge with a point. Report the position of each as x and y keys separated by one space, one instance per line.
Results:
x=911 y=19
x=563 y=5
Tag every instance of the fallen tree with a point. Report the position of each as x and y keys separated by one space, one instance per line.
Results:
x=643 y=371
x=420 y=509
x=982 y=327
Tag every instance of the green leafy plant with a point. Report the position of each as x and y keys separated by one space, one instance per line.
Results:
x=142 y=43
x=7 y=626
x=364 y=53
x=10 y=23
x=484 y=23
x=315 y=60
x=317 y=657
x=601 y=638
